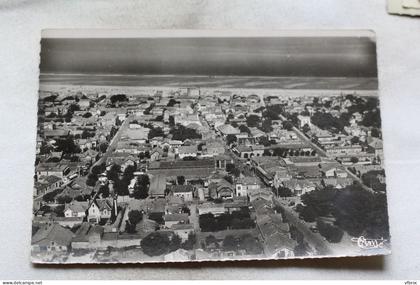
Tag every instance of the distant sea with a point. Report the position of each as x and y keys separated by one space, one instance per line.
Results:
x=307 y=83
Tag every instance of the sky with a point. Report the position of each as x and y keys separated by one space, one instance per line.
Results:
x=261 y=56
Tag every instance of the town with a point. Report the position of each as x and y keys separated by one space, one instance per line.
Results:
x=183 y=174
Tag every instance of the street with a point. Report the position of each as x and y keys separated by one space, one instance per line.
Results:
x=313 y=239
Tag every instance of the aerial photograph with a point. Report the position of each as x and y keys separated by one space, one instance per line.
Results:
x=206 y=148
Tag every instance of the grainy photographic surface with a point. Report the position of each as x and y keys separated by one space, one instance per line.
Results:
x=170 y=146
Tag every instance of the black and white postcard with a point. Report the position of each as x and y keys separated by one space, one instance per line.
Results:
x=174 y=146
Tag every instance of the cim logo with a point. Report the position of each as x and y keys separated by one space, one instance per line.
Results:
x=365 y=243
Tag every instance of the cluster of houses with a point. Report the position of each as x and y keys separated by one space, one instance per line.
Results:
x=186 y=141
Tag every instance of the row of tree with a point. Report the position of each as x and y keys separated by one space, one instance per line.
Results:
x=355 y=210
x=161 y=243
x=234 y=243
x=235 y=220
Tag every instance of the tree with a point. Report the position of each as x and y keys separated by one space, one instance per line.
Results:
x=230 y=139
x=171 y=121
x=190 y=242
x=91 y=179
x=104 y=190
x=372 y=180
x=355 y=210
x=155 y=132
x=87 y=115
x=86 y=134
x=73 y=108
x=114 y=173
x=354 y=160
x=244 y=129
x=287 y=125
x=186 y=210
x=265 y=141
x=372 y=119
x=103 y=147
x=159 y=243
x=250 y=244
x=252 y=121
x=67 y=145
x=172 y=102
x=180 y=180
x=266 y=125
x=232 y=169
x=211 y=239
x=176 y=242
x=321 y=202
x=375 y=133
x=98 y=169
x=118 y=98
x=141 y=191
x=64 y=199
x=284 y=192
x=59 y=210
x=50 y=196
x=130 y=228
x=306 y=128
x=355 y=140
x=273 y=112
x=309 y=214
x=230 y=243
x=182 y=133
x=326 y=121
x=331 y=233
x=134 y=217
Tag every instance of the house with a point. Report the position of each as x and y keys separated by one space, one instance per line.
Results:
x=100 y=209
x=280 y=175
x=122 y=159
x=73 y=191
x=304 y=120
x=262 y=193
x=226 y=130
x=87 y=236
x=139 y=135
x=214 y=147
x=221 y=189
x=52 y=169
x=338 y=183
x=266 y=167
x=51 y=237
x=243 y=184
x=84 y=104
x=298 y=186
x=56 y=134
x=376 y=145
x=173 y=219
x=187 y=151
x=213 y=208
x=75 y=209
x=191 y=169
x=157 y=186
x=183 y=191
x=337 y=151
x=183 y=230
x=47 y=183
x=89 y=156
x=329 y=169
x=156 y=154
x=277 y=241
x=244 y=151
